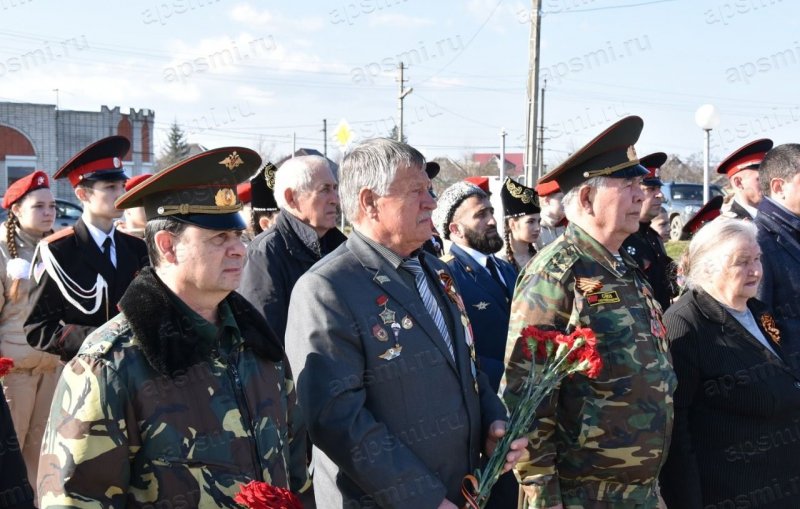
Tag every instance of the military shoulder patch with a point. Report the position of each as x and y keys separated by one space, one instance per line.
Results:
x=557 y=263
x=60 y=234
x=447 y=258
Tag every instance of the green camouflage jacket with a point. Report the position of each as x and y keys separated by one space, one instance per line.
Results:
x=601 y=439
x=153 y=412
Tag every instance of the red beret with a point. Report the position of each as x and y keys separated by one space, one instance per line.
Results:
x=482 y=182
x=23 y=186
x=136 y=180
x=245 y=192
x=547 y=188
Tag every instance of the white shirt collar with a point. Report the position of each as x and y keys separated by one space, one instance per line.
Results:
x=750 y=210
x=98 y=235
x=476 y=255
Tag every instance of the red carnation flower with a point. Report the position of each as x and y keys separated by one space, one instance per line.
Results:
x=382 y=300
x=260 y=495
x=6 y=365
x=534 y=335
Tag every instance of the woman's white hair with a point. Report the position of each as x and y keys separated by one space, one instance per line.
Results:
x=297 y=174
x=709 y=249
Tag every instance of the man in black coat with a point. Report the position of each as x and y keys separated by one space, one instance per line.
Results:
x=778 y=223
x=82 y=272
x=645 y=246
x=304 y=231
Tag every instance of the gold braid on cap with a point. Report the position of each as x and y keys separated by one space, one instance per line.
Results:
x=633 y=159
x=185 y=208
x=520 y=193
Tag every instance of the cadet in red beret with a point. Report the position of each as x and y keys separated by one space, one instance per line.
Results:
x=553 y=222
x=84 y=269
x=742 y=169
x=29 y=388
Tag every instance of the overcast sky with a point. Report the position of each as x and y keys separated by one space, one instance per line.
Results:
x=257 y=73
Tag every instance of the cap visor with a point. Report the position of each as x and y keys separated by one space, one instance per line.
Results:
x=106 y=175
x=232 y=221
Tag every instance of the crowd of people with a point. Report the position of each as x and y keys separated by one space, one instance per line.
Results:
x=227 y=331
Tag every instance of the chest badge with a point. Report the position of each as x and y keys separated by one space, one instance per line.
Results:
x=481 y=306
x=595 y=299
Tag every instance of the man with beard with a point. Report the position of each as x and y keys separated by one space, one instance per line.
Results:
x=645 y=246
x=465 y=216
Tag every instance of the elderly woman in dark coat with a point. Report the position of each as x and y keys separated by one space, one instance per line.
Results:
x=736 y=439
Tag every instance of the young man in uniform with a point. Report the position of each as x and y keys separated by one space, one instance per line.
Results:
x=81 y=272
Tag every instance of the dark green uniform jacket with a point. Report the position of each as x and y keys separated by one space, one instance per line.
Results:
x=160 y=408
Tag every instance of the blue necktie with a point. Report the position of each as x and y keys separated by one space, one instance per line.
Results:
x=413 y=266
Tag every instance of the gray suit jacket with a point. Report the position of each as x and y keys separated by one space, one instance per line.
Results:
x=395 y=433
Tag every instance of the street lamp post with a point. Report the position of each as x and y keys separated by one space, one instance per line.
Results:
x=707 y=118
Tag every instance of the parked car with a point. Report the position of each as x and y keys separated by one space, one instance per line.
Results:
x=66 y=214
x=682 y=201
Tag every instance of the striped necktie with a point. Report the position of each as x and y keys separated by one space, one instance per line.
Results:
x=413 y=266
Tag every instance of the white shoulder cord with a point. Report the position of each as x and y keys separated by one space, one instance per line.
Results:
x=67 y=285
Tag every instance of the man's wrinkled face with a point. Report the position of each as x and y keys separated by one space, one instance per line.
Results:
x=210 y=260
x=404 y=213
x=617 y=205
x=319 y=206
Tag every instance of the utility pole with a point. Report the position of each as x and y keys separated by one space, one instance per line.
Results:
x=541 y=136
x=533 y=90
x=325 y=137
x=294 y=143
x=402 y=95
x=502 y=164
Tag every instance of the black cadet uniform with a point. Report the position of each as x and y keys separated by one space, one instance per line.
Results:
x=646 y=247
x=68 y=263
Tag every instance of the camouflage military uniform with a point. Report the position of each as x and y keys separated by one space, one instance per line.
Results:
x=161 y=408
x=597 y=443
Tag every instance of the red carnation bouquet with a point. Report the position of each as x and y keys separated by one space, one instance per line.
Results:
x=260 y=495
x=6 y=365
x=554 y=356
